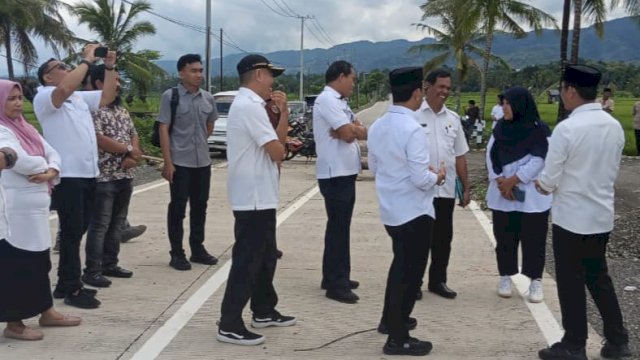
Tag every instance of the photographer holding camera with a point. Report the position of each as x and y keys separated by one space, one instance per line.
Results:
x=65 y=114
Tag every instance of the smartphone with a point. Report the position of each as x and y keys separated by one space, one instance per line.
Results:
x=519 y=194
x=101 y=52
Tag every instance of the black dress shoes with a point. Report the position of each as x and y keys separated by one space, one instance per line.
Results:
x=443 y=290
x=203 y=258
x=419 y=294
x=352 y=285
x=96 y=280
x=117 y=272
x=410 y=324
x=343 y=296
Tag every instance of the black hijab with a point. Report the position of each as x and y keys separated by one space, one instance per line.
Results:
x=525 y=134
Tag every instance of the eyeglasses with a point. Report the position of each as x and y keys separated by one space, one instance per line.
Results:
x=61 y=66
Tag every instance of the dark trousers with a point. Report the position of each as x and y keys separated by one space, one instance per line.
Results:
x=105 y=230
x=637 y=131
x=339 y=199
x=192 y=185
x=529 y=229
x=74 y=201
x=581 y=260
x=441 y=241
x=411 y=243
x=253 y=266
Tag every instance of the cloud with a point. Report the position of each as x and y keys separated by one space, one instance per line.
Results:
x=252 y=26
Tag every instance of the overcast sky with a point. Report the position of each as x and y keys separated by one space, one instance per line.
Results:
x=254 y=25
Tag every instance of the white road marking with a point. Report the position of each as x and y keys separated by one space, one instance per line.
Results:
x=167 y=332
x=551 y=330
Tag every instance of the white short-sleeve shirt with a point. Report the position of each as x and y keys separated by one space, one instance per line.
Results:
x=335 y=157
x=446 y=142
x=253 y=177
x=70 y=130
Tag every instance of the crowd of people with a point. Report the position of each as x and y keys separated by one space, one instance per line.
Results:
x=417 y=152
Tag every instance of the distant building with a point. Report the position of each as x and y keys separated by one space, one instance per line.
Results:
x=553 y=96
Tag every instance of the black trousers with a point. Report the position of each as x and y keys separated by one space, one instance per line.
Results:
x=103 y=238
x=529 y=229
x=192 y=185
x=339 y=199
x=411 y=243
x=581 y=260
x=637 y=131
x=74 y=200
x=252 y=268
x=441 y=241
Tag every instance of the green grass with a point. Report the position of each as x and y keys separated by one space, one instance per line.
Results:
x=548 y=113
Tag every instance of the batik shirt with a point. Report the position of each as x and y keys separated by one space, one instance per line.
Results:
x=115 y=123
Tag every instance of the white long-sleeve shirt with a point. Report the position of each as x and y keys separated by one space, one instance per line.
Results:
x=581 y=168
x=527 y=169
x=398 y=154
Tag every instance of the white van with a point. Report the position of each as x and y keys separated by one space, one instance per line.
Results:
x=218 y=140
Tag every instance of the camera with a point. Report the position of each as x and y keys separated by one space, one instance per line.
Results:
x=101 y=52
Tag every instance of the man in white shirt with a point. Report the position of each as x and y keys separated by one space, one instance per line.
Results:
x=254 y=151
x=335 y=131
x=399 y=159
x=496 y=111
x=580 y=170
x=65 y=117
x=446 y=144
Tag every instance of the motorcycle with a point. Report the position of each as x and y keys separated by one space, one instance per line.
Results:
x=299 y=140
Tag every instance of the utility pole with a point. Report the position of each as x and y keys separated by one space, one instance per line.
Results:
x=221 y=73
x=208 y=48
x=302 y=19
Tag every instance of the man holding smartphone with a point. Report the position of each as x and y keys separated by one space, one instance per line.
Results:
x=65 y=113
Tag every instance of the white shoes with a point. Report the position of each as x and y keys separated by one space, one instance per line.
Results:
x=504 y=286
x=535 y=291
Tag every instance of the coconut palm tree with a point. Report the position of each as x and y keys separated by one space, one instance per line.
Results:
x=456 y=38
x=508 y=16
x=631 y=6
x=22 y=21
x=591 y=10
x=116 y=28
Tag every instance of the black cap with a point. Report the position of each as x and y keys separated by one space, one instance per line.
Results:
x=255 y=61
x=406 y=76
x=582 y=75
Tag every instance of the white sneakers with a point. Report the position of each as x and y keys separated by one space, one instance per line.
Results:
x=535 y=291
x=504 y=286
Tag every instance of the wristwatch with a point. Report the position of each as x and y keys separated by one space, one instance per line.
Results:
x=129 y=148
x=9 y=159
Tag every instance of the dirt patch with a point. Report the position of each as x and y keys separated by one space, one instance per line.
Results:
x=624 y=246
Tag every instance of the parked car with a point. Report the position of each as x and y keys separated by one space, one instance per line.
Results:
x=218 y=140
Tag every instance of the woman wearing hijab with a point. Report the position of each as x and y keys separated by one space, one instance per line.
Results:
x=515 y=158
x=25 y=290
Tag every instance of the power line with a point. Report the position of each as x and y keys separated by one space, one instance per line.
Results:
x=315 y=35
x=275 y=11
x=287 y=6
x=317 y=24
x=286 y=9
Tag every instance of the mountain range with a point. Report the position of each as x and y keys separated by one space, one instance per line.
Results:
x=618 y=44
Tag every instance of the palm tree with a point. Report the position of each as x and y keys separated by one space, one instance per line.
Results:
x=509 y=16
x=116 y=29
x=631 y=6
x=456 y=39
x=592 y=10
x=21 y=21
